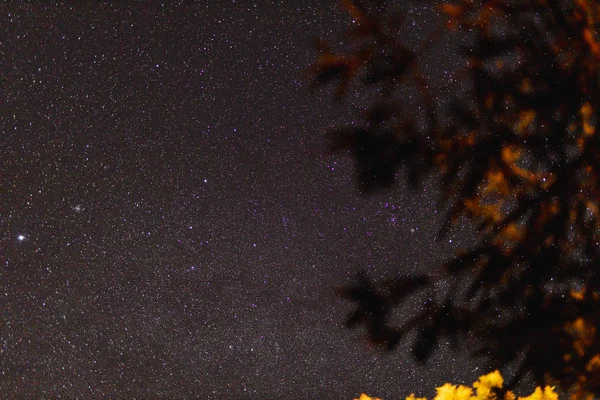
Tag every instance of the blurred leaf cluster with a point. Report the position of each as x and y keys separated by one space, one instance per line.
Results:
x=518 y=155
x=487 y=387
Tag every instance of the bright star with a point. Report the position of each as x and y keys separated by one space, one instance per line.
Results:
x=20 y=238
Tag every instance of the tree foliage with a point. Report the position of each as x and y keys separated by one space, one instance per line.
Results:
x=518 y=156
x=487 y=387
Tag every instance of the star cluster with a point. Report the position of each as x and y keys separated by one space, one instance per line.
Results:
x=171 y=225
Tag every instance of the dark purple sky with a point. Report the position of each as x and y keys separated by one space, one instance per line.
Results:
x=171 y=226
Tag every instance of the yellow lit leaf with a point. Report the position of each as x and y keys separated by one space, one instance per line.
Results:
x=486 y=383
x=510 y=396
x=366 y=397
x=485 y=391
x=445 y=392
x=539 y=394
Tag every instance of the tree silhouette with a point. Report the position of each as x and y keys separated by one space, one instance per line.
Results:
x=518 y=155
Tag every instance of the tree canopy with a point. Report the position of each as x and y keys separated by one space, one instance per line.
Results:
x=516 y=152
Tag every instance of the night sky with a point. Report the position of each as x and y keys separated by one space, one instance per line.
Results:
x=171 y=225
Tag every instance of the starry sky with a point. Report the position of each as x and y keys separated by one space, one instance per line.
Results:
x=171 y=225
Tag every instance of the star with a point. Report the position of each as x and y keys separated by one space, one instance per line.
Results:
x=126 y=215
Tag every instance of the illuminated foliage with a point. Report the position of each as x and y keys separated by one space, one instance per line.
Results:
x=516 y=151
x=488 y=387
